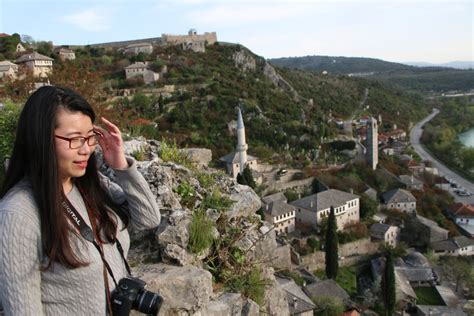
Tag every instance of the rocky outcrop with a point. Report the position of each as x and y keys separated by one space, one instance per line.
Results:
x=270 y=72
x=162 y=258
x=200 y=157
x=244 y=61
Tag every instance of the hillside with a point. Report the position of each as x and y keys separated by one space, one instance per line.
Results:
x=423 y=79
x=285 y=111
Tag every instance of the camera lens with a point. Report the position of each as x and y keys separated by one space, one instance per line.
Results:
x=148 y=302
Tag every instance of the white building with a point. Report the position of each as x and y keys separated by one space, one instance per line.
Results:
x=8 y=69
x=41 y=65
x=386 y=233
x=66 y=54
x=372 y=143
x=236 y=161
x=311 y=210
x=463 y=216
x=399 y=199
x=278 y=212
x=456 y=246
x=145 y=48
x=140 y=69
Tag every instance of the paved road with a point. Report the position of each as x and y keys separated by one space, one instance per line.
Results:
x=415 y=135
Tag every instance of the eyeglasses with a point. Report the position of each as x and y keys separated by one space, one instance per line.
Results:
x=78 y=142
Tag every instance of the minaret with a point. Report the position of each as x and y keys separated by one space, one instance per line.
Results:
x=372 y=143
x=241 y=143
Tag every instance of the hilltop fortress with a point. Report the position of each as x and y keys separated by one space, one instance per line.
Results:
x=191 y=40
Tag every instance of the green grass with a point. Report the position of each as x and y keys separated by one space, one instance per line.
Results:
x=428 y=296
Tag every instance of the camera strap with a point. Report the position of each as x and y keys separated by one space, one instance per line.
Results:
x=92 y=235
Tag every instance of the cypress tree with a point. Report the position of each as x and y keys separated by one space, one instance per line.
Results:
x=331 y=247
x=388 y=285
x=241 y=179
x=248 y=177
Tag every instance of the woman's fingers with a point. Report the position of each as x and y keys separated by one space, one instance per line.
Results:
x=110 y=126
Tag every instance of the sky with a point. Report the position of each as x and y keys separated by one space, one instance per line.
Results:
x=435 y=31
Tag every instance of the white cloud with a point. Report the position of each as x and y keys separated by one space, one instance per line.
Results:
x=92 y=20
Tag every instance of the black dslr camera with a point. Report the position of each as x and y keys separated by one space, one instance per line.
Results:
x=131 y=294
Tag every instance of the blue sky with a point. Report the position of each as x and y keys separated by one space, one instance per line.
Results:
x=394 y=30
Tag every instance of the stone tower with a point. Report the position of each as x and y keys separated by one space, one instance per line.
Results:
x=372 y=143
x=241 y=142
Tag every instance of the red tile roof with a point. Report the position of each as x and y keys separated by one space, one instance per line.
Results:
x=460 y=209
x=4 y=35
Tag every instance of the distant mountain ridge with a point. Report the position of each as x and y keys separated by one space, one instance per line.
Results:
x=452 y=64
x=428 y=78
x=344 y=65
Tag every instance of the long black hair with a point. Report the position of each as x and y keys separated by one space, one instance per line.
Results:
x=34 y=159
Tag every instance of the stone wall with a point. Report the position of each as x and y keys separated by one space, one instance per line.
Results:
x=282 y=257
x=209 y=37
x=349 y=254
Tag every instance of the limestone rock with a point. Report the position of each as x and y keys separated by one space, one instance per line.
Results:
x=250 y=308
x=198 y=156
x=185 y=290
x=227 y=304
x=244 y=61
x=276 y=302
x=246 y=202
x=176 y=229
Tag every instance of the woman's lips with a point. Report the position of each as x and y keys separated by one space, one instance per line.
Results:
x=81 y=164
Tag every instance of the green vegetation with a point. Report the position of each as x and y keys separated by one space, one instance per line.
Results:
x=8 y=122
x=388 y=285
x=206 y=180
x=347 y=279
x=201 y=232
x=294 y=275
x=246 y=178
x=139 y=154
x=328 y=306
x=186 y=192
x=331 y=247
x=440 y=135
x=428 y=296
x=216 y=200
x=171 y=152
x=424 y=79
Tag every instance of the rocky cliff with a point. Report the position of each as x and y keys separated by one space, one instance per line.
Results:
x=211 y=254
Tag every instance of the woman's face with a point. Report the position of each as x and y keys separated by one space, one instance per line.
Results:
x=72 y=163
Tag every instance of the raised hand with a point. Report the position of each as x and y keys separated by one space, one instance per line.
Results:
x=111 y=142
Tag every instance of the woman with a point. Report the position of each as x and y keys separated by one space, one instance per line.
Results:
x=46 y=265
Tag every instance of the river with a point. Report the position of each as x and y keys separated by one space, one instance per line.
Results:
x=467 y=138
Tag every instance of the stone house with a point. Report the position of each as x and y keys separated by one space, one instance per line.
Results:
x=438 y=310
x=327 y=288
x=463 y=216
x=456 y=246
x=8 y=69
x=137 y=48
x=399 y=199
x=279 y=213
x=298 y=302
x=386 y=233
x=311 y=210
x=389 y=151
x=397 y=134
x=411 y=182
x=66 y=54
x=41 y=65
x=140 y=69
x=20 y=48
x=429 y=231
x=442 y=183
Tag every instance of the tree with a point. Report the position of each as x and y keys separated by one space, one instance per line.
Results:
x=161 y=104
x=313 y=244
x=388 y=285
x=457 y=269
x=331 y=247
x=241 y=179
x=368 y=207
x=248 y=177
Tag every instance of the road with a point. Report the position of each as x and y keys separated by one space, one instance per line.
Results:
x=415 y=136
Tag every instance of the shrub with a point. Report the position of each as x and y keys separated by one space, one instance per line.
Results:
x=8 y=121
x=201 y=232
x=171 y=152
x=206 y=180
x=186 y=192
x=216 y=200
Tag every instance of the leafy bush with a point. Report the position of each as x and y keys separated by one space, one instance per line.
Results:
x=171 y=152
x=216 y=201
x=206 y=180
x=8 y=121
x=186 y=192
x=251 y=285
x=201 y=232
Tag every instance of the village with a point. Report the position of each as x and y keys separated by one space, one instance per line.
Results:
x=298 y=203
